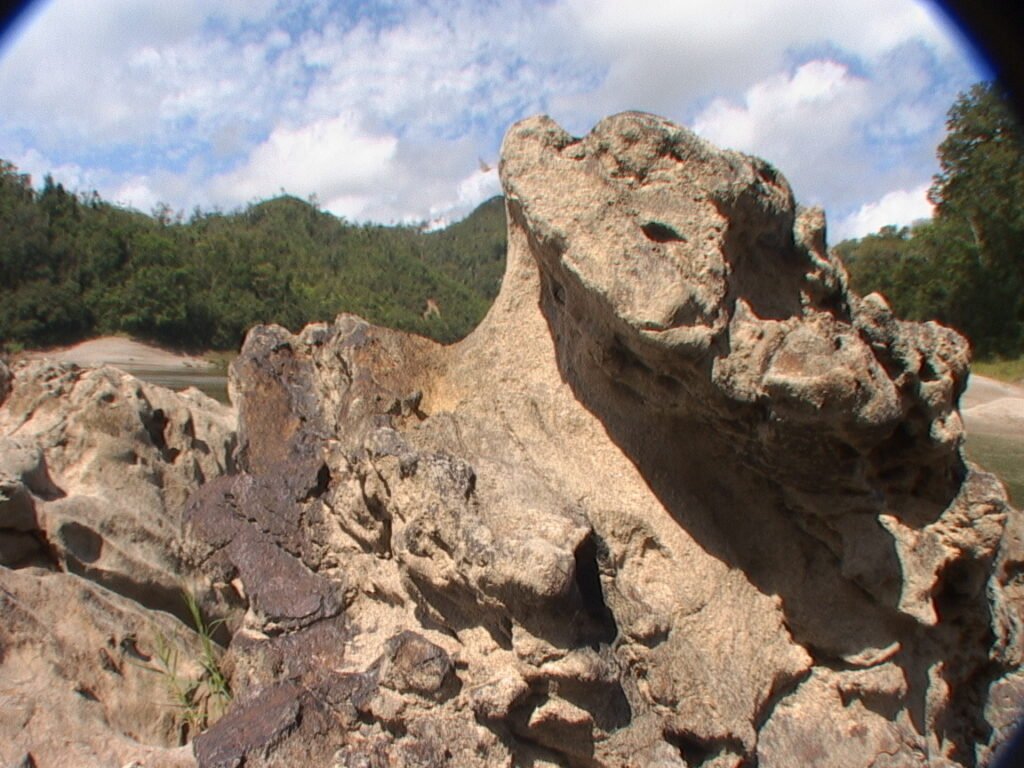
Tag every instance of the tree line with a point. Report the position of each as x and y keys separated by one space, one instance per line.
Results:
x=74 y=266
x=965 y=266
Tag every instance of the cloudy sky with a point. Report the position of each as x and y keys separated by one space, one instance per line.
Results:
x=389 y=110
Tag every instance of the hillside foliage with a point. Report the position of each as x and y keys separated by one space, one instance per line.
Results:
x=73 y=266
x=965 y=266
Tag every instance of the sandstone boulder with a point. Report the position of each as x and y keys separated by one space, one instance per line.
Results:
x=682 y=499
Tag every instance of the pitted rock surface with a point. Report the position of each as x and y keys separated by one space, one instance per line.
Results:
x=95 y=468
x=681 y=499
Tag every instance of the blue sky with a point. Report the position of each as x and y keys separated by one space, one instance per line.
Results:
x=384 y=109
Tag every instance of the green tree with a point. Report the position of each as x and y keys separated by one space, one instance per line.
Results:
x=72 y=266
x=965 y=267
x=978 y=196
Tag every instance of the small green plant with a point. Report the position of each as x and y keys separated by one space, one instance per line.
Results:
x=201 y=700
x=209 y=656
x=182 y=689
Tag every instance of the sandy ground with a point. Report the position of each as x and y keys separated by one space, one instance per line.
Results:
x=993 y=407
x=122 y=352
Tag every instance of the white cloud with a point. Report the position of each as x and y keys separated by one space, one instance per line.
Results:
x=136 y=193
x=332 y=158
x=900 y=207
x=102 y=74
x=482 y=184
x=775 y=112
x=214 y=102
x=478 y=186
x=843 y=140
x=806 y=123
x=662 y=55
x=475 y=66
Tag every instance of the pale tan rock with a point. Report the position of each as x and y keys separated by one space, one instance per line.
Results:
x=80 y=678
x=814 y=727
x=117 y=459
x=95 y=467
x=681 y=499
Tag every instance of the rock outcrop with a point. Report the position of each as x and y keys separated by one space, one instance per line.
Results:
x=681 y=500
x=95 y=468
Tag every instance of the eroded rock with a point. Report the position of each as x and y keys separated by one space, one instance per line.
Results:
x=681 y=499
x=95 y=467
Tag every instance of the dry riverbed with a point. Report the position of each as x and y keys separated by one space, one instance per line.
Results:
x=993 y=412
x=123 y=352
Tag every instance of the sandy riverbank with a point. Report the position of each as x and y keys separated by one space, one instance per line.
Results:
x=993 y=407
x=123 y=352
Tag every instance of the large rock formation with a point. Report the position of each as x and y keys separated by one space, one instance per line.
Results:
x=681 y=500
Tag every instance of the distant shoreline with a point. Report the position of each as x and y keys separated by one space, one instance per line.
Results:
x=121 y=351
x=993 y=407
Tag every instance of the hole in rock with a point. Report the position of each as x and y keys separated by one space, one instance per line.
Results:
x=602 y=627
x=605 y=700
x=558 y=292
x=86 y=693
x=769 y=174
x=155 y=427
x=323 y=482
x=927 y=371
x=661 y=233
x=959 y=588
x=694 y=750
x=82 y=543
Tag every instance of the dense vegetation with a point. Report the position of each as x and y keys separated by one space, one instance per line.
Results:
x=74 y=266
x=964 y=267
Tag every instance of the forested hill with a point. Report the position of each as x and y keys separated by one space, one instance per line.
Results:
x=73 y=267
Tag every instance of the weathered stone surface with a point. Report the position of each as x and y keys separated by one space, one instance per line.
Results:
x=280 y=726
x=682 y=499
x=822 y=724
x=95 y=467
x=251 y=533
x=413 y=664
x=78 y=675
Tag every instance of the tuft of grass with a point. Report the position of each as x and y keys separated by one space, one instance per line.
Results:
x=199 y=701
x=181 y=689
x=1004 y=369
x=209 y=656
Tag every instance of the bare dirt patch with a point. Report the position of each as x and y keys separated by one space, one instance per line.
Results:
x=122 y=353
x=993 y=412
